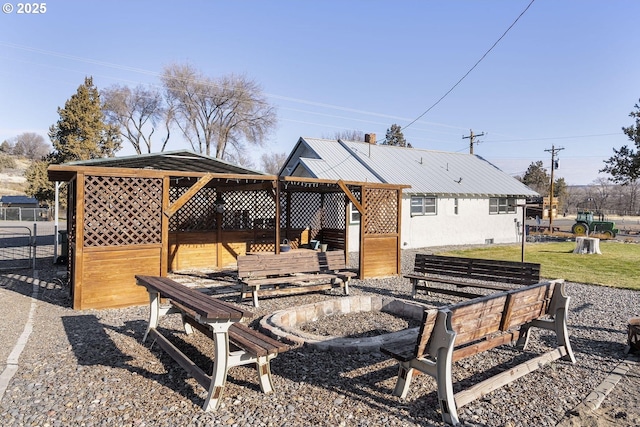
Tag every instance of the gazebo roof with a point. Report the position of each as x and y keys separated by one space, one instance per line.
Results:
x=182 y=160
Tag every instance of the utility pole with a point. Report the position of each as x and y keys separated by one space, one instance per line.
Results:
x=471 y=139
x=554 y=166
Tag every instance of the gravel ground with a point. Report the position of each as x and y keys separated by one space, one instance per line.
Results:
x=89 y=368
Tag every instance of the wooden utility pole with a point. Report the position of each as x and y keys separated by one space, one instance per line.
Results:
x=471 y=139
x=554 y=165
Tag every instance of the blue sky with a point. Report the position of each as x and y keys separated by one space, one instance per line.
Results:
x=566 y=75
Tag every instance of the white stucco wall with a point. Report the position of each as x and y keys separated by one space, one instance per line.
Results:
x=472 y=225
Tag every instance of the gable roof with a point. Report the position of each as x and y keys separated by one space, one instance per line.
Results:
x=426 y=171
x=18 y=200
x=182 y=160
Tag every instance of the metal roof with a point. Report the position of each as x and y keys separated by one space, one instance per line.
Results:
x=426 y=171
x=20 y=200
x=182 y=160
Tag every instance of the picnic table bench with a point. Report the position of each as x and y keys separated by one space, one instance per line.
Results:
x=469 y=272
x=293 y=272
x=453 y=332
x=235 y=343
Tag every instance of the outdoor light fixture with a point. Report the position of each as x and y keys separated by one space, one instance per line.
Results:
x=219 y=203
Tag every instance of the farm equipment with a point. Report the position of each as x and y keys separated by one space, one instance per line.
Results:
x=585 y=224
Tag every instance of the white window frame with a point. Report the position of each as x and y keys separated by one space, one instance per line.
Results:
x=423 y=205
x=502 y=205
x=354 y=214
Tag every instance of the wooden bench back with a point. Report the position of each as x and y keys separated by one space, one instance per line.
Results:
x=269 y=264
x=518 y=273
x=475 y=319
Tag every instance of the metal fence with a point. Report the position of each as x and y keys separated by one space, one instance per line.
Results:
x=22 y=243
x=24 y=214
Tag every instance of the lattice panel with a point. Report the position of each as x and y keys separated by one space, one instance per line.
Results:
x=335 y=211
x=306 y=211
x=122 y=211
x=198 y=214
x=248 y=210
x=381 y=211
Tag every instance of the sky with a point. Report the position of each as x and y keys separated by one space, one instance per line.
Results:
x=563 y=75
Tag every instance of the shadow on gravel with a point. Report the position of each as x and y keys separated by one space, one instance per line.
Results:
x=92 y=345
x=52 y=291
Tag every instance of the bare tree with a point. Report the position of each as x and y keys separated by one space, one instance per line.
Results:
x=348 y=135
x=136 y=113
x=216 y=112
x=30 y=145
x=272 y=162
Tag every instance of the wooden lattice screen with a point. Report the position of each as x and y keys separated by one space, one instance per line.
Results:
x=198 y=214
x=382 y=211
x=246 y=210
x=335 y=211
x=243 y=210
x=122 y=211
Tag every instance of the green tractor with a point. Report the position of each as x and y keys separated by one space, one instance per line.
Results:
x=585 y=224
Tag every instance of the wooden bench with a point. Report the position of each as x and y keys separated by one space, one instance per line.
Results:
x=474 y=326
x=293 y=272
x=235 y=343
x=469 y=272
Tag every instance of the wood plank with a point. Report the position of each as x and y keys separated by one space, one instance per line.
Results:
x=487 y=386
x=194 y=370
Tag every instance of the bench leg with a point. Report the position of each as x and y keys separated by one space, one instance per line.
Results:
x=445 y=386
x=254 y=294
x=220 y=368
x=154 y=313
x=414 y=290
x=405 y=373
x=263 y=366
x=346 y=287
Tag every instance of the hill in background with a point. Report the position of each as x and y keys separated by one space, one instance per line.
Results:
x=12 y=175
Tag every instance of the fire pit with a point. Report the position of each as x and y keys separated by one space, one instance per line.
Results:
x=286 y=323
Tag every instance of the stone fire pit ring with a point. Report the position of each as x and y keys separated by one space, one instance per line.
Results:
x=283 y=324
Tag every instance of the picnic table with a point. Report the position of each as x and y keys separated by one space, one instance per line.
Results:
x=220 y=321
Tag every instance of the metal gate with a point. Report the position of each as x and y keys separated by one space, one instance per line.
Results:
x=17 y=248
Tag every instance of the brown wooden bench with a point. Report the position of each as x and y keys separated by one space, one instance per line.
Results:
x=469 y=272
x=477 y=325
x=235 y=343
x=293 y=272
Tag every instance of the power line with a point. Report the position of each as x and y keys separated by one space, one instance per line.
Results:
x=472 y=68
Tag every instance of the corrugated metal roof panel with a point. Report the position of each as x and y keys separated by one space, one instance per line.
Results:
x=437 y=172
x=336 y=162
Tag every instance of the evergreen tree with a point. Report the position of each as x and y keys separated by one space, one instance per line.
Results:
x=81 y=132
x=624 y=165
x=395 y=137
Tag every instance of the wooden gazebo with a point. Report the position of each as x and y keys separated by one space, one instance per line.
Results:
x=163 y=212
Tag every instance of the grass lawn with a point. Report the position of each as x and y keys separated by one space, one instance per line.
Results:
x=618 y=266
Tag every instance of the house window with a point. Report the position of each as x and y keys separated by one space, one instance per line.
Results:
x=502 y=205
x=354 y=215
x=455 y=206
x=423 y=205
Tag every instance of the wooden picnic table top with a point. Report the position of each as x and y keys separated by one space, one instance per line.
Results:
x=204 y=305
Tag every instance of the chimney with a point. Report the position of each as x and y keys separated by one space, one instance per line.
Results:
x=370 y=138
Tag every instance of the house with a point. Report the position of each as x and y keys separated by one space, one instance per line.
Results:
x=19 y=202
x=453 y=198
